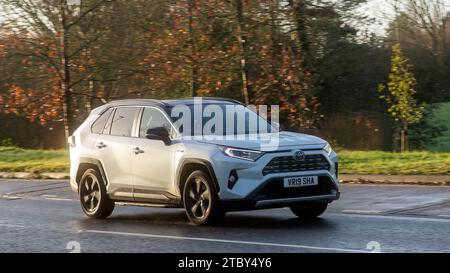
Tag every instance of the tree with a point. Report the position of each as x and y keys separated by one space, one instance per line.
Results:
x=257 y=51
x=399 y=95
x=422 y=29
x=280 y=75
x=243 y=41
x=191 y=7
x=48 y=34
x=430 y=17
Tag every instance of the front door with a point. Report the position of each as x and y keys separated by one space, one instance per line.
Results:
x=152 y=160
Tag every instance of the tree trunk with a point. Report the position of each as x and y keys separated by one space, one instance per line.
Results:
x=194 y=64
x=444 y=41
x=276 y=47
x=242 y=40
x=404 y=138
x=90 y=99
x=65 y=72
x=299 y=16
x=405 y=129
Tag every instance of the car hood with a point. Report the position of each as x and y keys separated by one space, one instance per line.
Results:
x=266 y=142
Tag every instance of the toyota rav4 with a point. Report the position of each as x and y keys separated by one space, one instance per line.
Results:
x=139 y=152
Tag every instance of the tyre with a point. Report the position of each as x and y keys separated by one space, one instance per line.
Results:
x=93 y=198
x=201 y=201
x=309 y=210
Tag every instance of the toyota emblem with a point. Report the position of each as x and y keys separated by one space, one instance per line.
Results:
x=299 y=156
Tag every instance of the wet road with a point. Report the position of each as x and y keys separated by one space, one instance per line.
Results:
x=44 y=216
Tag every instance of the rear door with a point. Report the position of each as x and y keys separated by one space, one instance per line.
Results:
x=114 y=149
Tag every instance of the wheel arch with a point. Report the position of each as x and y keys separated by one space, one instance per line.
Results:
x=90 y=163
x=187 y=166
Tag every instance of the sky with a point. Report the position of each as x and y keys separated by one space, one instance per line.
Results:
x=381 y=11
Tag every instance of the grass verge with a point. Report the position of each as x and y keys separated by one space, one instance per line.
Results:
x=13 y=159
x=378 y=162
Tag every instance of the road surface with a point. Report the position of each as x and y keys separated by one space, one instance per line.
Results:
x=44 y=216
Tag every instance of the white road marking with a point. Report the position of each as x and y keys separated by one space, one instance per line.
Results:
x=58 y=199
x=391 y=217
x=158 y=236
x=10 y=197
x=357 y=211
x=49 y=195
x=5 y=223
x=11 y=226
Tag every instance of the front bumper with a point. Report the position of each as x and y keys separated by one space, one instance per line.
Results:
x=240 y=205
x=334 y=195
x=272 y=194
x=254 y=190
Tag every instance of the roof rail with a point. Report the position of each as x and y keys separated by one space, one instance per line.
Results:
x=216 y=98
x=136 y=101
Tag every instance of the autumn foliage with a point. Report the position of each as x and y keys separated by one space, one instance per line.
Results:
x=61 y=59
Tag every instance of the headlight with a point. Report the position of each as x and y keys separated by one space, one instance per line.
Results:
x=251 y=155
x=328 y=149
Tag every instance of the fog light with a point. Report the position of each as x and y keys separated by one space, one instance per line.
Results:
x=232 y=179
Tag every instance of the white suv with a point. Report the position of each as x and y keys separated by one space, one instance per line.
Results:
x=135 y=152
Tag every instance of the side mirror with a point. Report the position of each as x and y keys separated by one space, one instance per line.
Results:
x=158 y=133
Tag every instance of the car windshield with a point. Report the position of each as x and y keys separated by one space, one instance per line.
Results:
x=218 y=119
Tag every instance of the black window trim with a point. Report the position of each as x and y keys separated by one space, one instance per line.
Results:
x=107 y=121
x=139 y=119
x=99 y=116
x=136 y=122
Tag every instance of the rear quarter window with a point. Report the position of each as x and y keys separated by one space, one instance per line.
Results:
x=99 y=124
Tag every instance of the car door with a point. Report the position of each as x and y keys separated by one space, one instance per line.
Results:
x=152 y=160
x=114 y=150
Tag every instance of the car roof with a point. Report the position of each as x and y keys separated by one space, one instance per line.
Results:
x=165 y=104
x=172 y=102
x=206 y=100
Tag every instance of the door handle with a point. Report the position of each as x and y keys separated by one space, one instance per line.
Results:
x=138 y=150
x=100 y=145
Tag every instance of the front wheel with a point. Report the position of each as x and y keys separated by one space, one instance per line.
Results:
x=201 y=200
x=309 y=210
x=93 y=198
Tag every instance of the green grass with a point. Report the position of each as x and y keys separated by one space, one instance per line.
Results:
x=442 y=116
x=14 y=159
x=377 y=162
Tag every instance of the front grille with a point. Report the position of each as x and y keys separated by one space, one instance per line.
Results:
x=275 y=189
x=284 y=164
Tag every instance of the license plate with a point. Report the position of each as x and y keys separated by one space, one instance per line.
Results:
x=300 y=181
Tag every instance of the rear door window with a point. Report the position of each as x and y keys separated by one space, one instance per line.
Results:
x=122 y=123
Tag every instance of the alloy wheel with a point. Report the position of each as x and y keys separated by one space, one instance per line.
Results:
x=90 y=193
x=199 y=198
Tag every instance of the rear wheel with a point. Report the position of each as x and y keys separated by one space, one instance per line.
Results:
x=201 y=200
x=309 y=210
x=93 y=198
